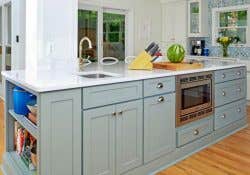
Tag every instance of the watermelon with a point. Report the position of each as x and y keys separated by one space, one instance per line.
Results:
x=176 y=53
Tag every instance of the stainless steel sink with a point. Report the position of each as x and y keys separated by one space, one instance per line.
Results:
x=97 y=74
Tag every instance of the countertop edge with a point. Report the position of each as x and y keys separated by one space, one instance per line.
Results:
x=114 y=80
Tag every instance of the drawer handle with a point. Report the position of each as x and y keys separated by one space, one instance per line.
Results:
x=239 y=110
x=223 y=93
x=196 y=132
x=160 y=85
x=161 y=99
x=223 y=75
x=114 y=114
x=239 y=89
x=238 y=73
x=224 y=116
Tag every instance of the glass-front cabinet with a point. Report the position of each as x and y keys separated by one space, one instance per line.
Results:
x=197 y=18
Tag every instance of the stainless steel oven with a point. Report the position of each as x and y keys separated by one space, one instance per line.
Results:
x=194 y=97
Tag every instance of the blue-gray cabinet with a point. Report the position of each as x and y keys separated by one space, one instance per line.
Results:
x=159 y=126
x=229 y=113
x=193 y=131
x=99 y=141
x=230 y=91
x=112 y=138
x=60 y=128
x=129 y=129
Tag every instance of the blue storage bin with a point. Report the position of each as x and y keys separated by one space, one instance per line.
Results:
x=20 y=100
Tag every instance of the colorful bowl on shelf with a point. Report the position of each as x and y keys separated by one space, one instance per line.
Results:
x=20 y=100
x=32 y=108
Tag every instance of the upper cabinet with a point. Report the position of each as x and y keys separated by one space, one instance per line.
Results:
x=197 y=18
x=174 y=22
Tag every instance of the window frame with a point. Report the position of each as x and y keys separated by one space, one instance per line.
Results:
x=129 y=25
x=216 y=22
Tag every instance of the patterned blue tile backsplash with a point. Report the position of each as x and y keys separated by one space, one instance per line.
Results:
x=236 y=52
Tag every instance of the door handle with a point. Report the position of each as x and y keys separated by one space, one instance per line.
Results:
x=160 y=85
x=161 y=99
x=223 y=75
x=223 y=116
x=196 y=132
x=223 y=93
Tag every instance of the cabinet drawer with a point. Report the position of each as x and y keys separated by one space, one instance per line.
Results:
x=229 y=113
x=110 y=94
x=194 y=131
x=230 y=91
x=230 y=74
x=159 y=86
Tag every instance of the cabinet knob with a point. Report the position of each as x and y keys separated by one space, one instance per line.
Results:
x=239 y=110
x=196 y=132
x=239 y=89
x=114 y=114
x=120 y=113
x=223 y=116
x=161 y=99
x=223 y=93
x=160 y=85
x=223 y=75
x=238 y=73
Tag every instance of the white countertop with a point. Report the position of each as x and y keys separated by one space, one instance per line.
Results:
x=59 y=79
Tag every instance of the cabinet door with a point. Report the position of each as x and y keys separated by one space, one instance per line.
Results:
x=159 y=126
x=98 y=141
x=129 y=136
x=60 y=132
x=194 y=11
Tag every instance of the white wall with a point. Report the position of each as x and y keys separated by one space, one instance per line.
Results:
x=58 y=27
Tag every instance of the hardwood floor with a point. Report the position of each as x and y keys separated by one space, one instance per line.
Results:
x=228 y=157
x=231 y=156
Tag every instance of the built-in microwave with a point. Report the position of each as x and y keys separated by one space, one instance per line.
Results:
x=194 y=97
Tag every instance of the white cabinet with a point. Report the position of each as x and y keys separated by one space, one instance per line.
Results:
x=174 y=23
x=197 y=18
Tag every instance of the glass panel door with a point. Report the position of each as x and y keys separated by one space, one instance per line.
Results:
x=194 y=17
x=88 y=27
x=8 y=58
x=114 y=35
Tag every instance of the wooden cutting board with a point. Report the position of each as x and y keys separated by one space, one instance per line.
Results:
x=177 y=66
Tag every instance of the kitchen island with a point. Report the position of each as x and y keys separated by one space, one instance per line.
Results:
x=122 y=121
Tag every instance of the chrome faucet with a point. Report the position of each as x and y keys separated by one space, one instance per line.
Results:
x=81 y=45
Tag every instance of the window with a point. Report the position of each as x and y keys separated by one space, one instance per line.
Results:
x=232 y=21
x=108 y=31
x=114 y=35
x=87 y=26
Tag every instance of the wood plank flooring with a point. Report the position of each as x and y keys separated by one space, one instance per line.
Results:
x=228 y=157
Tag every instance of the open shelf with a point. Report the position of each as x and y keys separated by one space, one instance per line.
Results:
x=13 y=164
x=25 y=122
